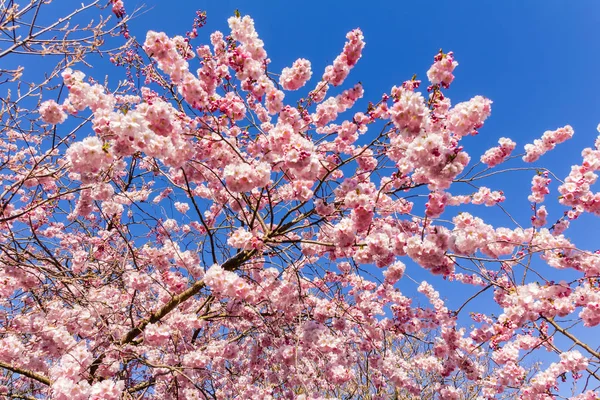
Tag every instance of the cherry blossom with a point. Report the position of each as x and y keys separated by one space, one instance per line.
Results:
x=200 y=235
x=295 y=77
x=52 y=113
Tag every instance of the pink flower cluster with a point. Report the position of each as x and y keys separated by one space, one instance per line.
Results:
x=539 y=219
x=497 y=155
x=576 y=189
x=243 y=177
x=171 y=56
x=294 y=206
x=394 y=272
x=409 y=112
x=336 y=74
x=436 y=204
x=83 y=95
x=168 y=53
x=242 y=239
x=543 y=382
x=226 y=283
x=118 y=8
x=66 y=389
x=329 y=109
x=248 y=58
x=488 y=197
x=52 y=113
x=465 y=118
x=88 y=158
x=430 y=252
x=471 y=234
x=293 y=151
x=295 y=77
x=181 y=207
x=548 y=142
x=440 y=72
x=539 y=188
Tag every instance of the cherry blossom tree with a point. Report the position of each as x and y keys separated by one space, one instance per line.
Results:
x=198 y=236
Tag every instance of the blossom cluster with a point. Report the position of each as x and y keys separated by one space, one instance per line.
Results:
x=441 y=70
x=548 y=142
x=209 y=240
x=52 y=113
x=497 y=155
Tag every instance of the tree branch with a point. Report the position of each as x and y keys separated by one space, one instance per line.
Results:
x=25 y=372
x=231 y=264
x=573 y=338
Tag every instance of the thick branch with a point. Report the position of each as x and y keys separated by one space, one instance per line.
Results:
x=230 y=265
x=142 y=386
x=573 y=338
x=27 y=373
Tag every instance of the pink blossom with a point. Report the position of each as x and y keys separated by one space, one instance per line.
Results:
x=181 y=207
x=588 y=395
x=347 y=98
x=52 y=113
x=488 y=197
x=576 y=189
x=436 y=204
x=268 y=290
x=274 y=100
x=157 y=335
x=441 y=70
x=450 y=393
x=497 y=155
x=107 y=390
x=409 y=112
x=590 y=314
x=226 y=283
x=336 y=74
x=539 y=188
x=241 y=239
x=319 y=93
x=539 y=219
x=343 y=233
x=465 y=118
x=295 y=77
x=88 y=157
x=118 y=8
x=244 y=177
x=66 y=389
x=326 y=112
x=430 y=254
x=573 y=361
x=394 y=272
x=548 y=142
